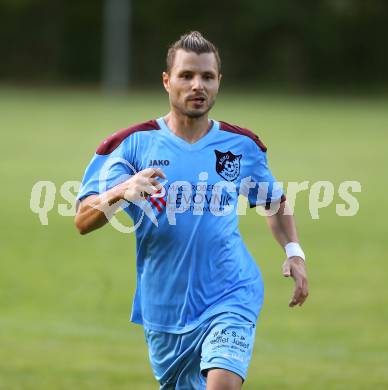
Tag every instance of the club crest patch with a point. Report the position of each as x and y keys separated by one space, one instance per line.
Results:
x=227 y=165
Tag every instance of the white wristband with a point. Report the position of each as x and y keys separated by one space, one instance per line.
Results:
x=294 y=249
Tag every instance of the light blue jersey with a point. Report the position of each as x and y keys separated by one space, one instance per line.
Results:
x=191 y=260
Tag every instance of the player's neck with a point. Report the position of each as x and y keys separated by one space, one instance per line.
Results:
x=189 y=129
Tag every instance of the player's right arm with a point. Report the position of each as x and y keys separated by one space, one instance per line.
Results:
x=94 y=211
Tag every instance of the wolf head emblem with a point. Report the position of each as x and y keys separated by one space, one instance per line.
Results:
x=227 y=165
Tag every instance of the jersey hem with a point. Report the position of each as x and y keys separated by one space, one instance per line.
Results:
x=195 y=324
x=267 y=204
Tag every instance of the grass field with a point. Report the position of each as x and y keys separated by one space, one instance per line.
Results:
x=65 y=299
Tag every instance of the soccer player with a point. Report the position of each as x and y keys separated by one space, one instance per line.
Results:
x=199 y=291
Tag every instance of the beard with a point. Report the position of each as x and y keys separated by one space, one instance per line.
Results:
x=194 y=113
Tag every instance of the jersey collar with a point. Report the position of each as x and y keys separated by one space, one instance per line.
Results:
x=201 y=143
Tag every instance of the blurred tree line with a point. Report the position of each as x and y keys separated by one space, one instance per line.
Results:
x=300 y=42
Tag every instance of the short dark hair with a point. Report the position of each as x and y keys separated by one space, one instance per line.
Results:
x=192 y=41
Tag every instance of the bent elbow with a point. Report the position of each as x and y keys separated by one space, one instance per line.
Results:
x=82 y=232
x=80 y=226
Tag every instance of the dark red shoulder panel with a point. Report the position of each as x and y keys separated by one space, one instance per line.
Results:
x=114 y=140
x=239 y=130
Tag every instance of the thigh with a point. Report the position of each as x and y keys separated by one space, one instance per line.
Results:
x=175 y=359
x=228 y=344
x=219 y=378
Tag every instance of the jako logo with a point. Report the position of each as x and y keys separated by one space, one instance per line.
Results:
x=158 y=163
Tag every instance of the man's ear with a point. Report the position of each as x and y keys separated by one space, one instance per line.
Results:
x=219 y=77
x=166 y=81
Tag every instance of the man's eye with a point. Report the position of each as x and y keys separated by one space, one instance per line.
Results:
x=186 y=76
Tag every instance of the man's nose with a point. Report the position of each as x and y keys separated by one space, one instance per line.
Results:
x=197 y=83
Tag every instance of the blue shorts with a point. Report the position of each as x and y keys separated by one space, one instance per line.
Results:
x=181 y=361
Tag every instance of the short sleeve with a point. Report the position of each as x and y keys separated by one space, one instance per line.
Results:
x=106 y=171
x=266 y=189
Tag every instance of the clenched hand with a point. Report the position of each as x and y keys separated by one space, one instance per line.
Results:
x=142 y=184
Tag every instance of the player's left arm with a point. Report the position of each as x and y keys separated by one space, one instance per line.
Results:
x=283 y=228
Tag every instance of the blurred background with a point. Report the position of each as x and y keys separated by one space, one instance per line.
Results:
x=309 y=77
x=302 y=44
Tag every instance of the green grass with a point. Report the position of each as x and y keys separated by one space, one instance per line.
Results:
x=65 y=299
